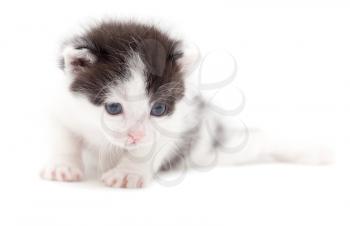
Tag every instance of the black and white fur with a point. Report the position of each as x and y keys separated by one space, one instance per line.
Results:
x=137 y=65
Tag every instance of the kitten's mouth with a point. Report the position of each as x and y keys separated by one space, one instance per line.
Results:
x=134 y=144
x=131 y=142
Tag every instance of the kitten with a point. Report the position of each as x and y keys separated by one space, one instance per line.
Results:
x=125 y=96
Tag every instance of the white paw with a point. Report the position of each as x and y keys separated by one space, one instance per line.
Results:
x=119 y=178
x=62 y=173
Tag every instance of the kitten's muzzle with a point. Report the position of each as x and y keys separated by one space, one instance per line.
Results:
x=135 y=137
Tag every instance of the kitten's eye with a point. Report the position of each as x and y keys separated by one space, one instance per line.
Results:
x=114 y=108
x=158 y=109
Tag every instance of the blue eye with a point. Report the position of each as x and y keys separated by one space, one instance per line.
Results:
x=114 y=108
x=158 y=109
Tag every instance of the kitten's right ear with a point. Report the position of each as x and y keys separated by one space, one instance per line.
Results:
x=189 y=57
x=77 y=60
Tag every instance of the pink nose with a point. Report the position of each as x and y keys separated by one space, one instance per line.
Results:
x=135 y=136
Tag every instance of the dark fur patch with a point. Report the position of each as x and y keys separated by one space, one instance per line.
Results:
x=188 y=141
x=112 y=43
x=218 y=138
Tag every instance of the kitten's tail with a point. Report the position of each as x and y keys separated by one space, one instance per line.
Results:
x=256 y=147
x=262 y=148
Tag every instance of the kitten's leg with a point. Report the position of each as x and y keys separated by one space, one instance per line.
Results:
x=65 y=163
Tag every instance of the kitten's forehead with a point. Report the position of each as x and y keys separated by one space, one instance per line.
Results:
x=134 y=87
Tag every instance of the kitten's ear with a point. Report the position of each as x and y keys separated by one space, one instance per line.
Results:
x=76 y=60
x=188 y=57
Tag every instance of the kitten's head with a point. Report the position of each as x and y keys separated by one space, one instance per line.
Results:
x=133 y=73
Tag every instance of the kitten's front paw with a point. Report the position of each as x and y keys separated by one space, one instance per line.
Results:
x=119 y=178
x=62 y=173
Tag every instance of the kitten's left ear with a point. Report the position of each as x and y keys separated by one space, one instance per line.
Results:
x=188 y=57
x=76 y=60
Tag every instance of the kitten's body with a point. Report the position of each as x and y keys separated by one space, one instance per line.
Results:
x=139 y=66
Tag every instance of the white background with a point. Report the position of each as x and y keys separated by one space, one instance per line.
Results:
x=293 y=67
